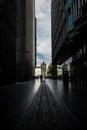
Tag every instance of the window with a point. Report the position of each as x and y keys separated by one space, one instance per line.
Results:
x=70 y=22
x=82 y=2
x=76 y=11
x=69 y=3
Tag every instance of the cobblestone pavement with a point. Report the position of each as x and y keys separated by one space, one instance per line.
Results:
x=43 y=106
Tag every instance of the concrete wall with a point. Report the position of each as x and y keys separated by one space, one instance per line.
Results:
x=25 y=40
x=20 y=45
x=30 y=37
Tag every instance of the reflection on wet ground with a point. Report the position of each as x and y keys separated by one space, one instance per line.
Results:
x=45 y=101
x=45 y=113
x=71 y=96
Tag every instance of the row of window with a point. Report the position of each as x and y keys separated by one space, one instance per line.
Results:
x=79 y=2
x=74 y=11
x=62 y=28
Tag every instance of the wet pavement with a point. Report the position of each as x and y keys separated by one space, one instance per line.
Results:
x=42 y=106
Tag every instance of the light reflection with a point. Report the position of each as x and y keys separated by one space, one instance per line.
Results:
x=60 y=88
x=56 y=87
x=36 y=85
x=70 y=88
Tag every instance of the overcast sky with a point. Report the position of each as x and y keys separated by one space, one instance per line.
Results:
x=43 y=15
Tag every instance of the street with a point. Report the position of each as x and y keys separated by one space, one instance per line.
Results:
x=36 y=105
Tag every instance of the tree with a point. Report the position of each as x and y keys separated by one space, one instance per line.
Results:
x=53 y=70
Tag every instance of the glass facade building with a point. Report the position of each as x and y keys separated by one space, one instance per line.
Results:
x=69 y=22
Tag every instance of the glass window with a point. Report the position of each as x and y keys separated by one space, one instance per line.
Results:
x=70 y=22
x=69 y=3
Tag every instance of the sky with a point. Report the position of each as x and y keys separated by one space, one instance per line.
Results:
x=43 y=15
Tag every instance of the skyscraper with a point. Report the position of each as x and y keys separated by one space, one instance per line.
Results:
x=35 y=42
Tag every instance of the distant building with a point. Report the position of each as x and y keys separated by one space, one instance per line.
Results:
x=35 y=42
x=43 y=69
x=69 y=22
x=59 y=71
x=37 y=71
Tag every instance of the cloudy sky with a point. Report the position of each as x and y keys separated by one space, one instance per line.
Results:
x=43 y=15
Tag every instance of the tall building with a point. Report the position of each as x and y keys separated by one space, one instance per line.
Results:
x=17 y=40
x=25 y=53
x=8 y=15
x=35 y=42
x=43 y=69
x=69 y=22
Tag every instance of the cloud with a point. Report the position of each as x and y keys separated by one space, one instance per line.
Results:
x=43 y=16
x=44 y=52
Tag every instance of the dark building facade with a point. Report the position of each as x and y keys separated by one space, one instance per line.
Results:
x=69 y=22
x=8 y=14
x=17 y=40
x=25 y=40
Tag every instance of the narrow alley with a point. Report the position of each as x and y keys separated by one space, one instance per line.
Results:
x=43 y=64
x=45 y=105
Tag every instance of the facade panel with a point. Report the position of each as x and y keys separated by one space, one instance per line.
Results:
x=25 y=40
